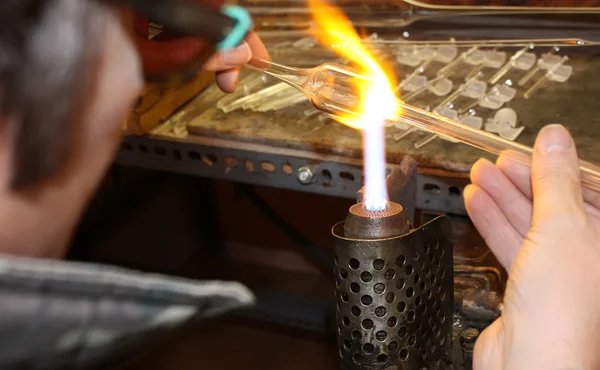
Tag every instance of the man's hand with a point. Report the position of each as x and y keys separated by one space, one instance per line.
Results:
x=545 y=230
x=227 y=64
x=166 y=53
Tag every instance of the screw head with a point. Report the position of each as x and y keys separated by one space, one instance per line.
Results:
x=305 y=175
x=469 y=335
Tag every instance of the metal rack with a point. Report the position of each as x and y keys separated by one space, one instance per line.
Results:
x=299 y=170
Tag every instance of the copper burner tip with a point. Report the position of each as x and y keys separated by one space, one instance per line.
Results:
x=362 y=223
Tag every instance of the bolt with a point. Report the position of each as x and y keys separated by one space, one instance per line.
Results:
x=468 y=337
x=305 y=175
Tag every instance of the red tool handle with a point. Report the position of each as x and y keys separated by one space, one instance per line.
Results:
x=167 y=52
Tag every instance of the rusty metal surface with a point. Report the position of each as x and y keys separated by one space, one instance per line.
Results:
x=402 y=186
x=481 y=305
x=365 y=224
x=468 y=337
x=395 y=299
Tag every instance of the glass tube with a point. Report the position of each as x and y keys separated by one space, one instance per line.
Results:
x=330 y=88
x=492 y=43
x=524 y=9
x=506 y=43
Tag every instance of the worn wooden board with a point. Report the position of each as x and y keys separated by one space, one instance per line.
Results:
x=157 y=104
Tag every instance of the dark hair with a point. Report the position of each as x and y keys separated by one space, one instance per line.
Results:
x=48 y=57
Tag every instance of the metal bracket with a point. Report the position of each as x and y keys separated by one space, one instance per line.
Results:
x=258 y=164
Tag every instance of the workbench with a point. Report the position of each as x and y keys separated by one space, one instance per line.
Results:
x=281 y=149
x=274 y=148
x=321 y=156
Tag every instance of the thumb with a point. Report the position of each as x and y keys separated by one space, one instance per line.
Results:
x=488 y=354
x=555 y=175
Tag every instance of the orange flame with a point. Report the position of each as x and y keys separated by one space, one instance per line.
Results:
x=334 y=30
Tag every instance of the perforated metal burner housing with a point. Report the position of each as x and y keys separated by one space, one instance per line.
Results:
x=395 y=299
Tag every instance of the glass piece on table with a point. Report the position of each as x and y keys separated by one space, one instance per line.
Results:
x=331 y=89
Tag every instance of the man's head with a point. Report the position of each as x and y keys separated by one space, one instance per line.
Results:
x=68 y=72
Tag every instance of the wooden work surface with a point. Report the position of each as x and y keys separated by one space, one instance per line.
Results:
x=576 y=104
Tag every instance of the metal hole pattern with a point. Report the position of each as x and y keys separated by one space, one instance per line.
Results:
x=398 y=321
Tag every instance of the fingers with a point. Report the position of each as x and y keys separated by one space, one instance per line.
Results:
x=488 y=353
x=227 y=63
x=259 y=51
x=227 y=80
x=517 y=173
x=555 y=175
x=499 y=234
x=511 y=201
x=253 y=47
x=520 y=176
x=229 y=59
